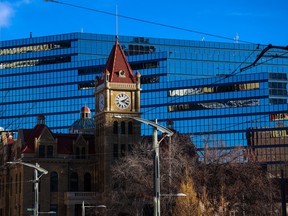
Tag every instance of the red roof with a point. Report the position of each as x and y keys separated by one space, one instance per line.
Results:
x=116 y=64
x=29 y=136
x=64 y=141
x=85 y=109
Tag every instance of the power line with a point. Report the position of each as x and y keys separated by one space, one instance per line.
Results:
x=149 y=22
x=177 y=28
x=270 y=46
x=242 y=69
x=217 y=81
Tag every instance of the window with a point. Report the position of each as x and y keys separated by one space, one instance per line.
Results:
x=91 y=70
x=87 y=182
x=73 y=182
x=150 y=79
x=54 y=208
x=115 y=127
x=77 y=153
x=130 y=127
x=115 y=151
x=54 y=182
x=83 y=153
x=214 y=105
x=41 y=151
x=86 y=85
x=129 y=147
x=50 y=151
x=122 y=127
x=145 y=65
x=123 y=150
x=77 y=209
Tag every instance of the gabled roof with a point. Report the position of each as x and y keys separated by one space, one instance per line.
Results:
x=116 y=63
x=29 y=135
x=64 y=141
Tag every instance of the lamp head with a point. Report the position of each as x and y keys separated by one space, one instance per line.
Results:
x=117 y=116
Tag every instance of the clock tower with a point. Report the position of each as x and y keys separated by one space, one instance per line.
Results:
x=117 y=93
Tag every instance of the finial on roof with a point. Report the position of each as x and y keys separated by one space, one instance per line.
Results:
x=116 y=22
x=85 y=112
x=41 y=119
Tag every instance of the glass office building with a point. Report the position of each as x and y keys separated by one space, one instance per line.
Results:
x=197 y=87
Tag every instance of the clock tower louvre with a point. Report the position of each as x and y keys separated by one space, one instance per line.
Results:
x=117 y=92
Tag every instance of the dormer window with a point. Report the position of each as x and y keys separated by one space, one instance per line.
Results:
x=42 y=151
x=50 y=151
x=45 y=151
x=122 y=73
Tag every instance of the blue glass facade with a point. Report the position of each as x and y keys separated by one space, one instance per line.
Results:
x=196 y=84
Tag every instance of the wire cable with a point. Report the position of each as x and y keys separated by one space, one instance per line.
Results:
x=147 y=21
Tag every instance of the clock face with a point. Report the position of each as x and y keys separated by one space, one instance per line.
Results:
x=122 y=100
x=101 y=102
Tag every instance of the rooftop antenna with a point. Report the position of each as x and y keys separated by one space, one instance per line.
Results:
x=236 y=38
x=116 y=20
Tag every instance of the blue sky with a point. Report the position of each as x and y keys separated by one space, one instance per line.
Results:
x=256 y=21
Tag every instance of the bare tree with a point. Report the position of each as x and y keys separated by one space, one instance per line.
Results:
x=190 y=204
x=242 y=188
x=215 y=187
x=133 y=175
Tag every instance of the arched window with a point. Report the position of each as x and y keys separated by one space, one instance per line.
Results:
x=77 y=153
x=122 y=127
x=54 y=182
x=50 y=151
x=83 y=153
x=41 y=151
x=73 y=182
x=130 y=127
x=115 y=127
x=87 y=182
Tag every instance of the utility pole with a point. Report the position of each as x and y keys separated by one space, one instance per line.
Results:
x=36 y=181
x=156 y=172
x=36 y=188
x=156 y=143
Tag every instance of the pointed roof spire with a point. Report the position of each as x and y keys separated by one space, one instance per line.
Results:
x=117 y=66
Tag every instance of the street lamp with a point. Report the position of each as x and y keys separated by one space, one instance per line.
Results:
x=156 y=143
x=174 y=195
x=50 y=212
x=83 y=207
x=36 y=181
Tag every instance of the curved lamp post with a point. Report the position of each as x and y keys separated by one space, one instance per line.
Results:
x=166 y=132
x=36 y=181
